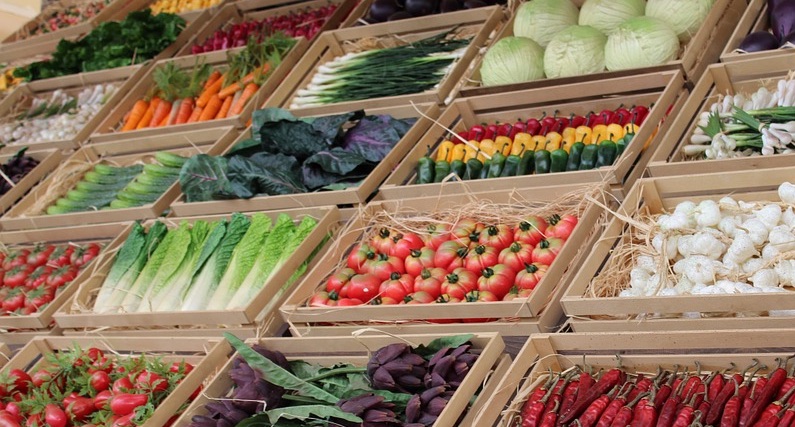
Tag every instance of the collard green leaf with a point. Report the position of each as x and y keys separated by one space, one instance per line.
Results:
x=203 y=178
x=375 y=136
x=280 y=132
x=452 y=341
x=246 y=147
x=276 y=374
x=247 y=178
x=310 y=411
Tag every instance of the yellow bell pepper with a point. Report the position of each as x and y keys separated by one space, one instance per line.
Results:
x=568 y=138
x=522 y=142
x=503 y=145
x=599 y=134
x=445 y=151
x=459 y=152
x=471 y=152
x=553 y=141
x=538 y=142
x=487 y=146
x=651 y=138
x=631 y=128
x=615 y=132
x=582 y=134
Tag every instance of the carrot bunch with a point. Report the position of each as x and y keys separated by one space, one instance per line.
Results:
x=203 y=94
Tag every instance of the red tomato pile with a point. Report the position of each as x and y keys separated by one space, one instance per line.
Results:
x=31 y=278
x=88 y=389
x=467 y=262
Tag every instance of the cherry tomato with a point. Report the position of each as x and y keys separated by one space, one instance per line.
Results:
x=547 y=250
x=38 y=276
x=16 y=276
x=460 y=282
x=124 y=421
x=125 y=403
x=37 y=298
x=450 y=255
x=516 y=255
x=61 y=276
x=60 y=256
x=80 y=408
x=151 y=382
x=15 y=259
x=100 y=380
x=436 y=234
x=530 y=231
x=21 y=380
x=13 y=409
x=181 y=368
x=497 y=280
x=404 y=244
x=418 y=260
x=122 y=384
x=529 y=277
x=42 y=376
x=33 y=420
x=54 y=416
x=8 y=419
x=497 y=236
x=363 y=287
x=481 y=257
x=101 y=400
x=94 y=354
x=40 y=255
x=14 y=301
x=84 y=254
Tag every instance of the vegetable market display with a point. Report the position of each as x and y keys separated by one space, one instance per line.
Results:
x=58 y=116
x=391 y=10
x=181 y=6
x=305 y=22
x=31 y=278
x=15 y=169
x=109 y=45
x=204 y=265
x=536 y=146
x=57 y=17
x=205 y=93
x=291 y=155
x=779 y=15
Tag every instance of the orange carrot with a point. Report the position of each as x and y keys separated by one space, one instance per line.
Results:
x=163 y=122
x=212 y=108
x=230 y=90
x=194 y=116
x=225 y=106
x=184 y=111
x=248 y=78
x=215 y=75
x=213 y=89
x=172 y=116
x=137 y=112
x=248 y=92
x=150 y=112
x=161 y=112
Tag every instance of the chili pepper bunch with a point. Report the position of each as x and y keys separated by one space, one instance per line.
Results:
x=468 y=261
x=536 y=146
x=669 y=399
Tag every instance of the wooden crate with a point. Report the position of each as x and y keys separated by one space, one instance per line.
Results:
x=17 y=40
x=78 y=234
x=20 y=100
x=16 y=338
x=703 y=49
x=110 y=127
x=234 y=13
x=654 y=195
x=533 y=309
x=48 y=161
x=353 y=195
x=79 y=314
x=124 y=152
x=639 y=352
x=754 y=19
x=195 y=351
x=331 y=45
x=660 y=89
x=720 y=79
x=486 y=372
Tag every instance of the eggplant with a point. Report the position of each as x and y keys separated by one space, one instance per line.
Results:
x=450 y=6
x=420 y=7
x=381 y=10
x=474 y=4
x=782 y=19
x=397 y=16
x=759 y=41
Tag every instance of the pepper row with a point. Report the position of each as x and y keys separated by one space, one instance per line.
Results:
x=669 y=399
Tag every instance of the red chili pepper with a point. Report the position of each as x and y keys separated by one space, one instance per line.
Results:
x=531 y=414
x=606 y=382
x=609 y=414
x=557 y=395
x=788 y=418
x=551 y=417
x=645 y=414
x=519 y=126
x=773 y=408
x=747 y=393
x=569 y=395
x=664 y=391
x=731 y=411
x=788 y=383
x=691 y=384
x=586 y=382
x=592 y=414
x=541 y=391
x=643 y=383
x=685 y=417
x=768 y=393
x=477 y=133
x=703 y=408
x=624 y=416
x=669 y=410
x=725 y=394
x=773 y=420
x=716 y=385
x=699 y=396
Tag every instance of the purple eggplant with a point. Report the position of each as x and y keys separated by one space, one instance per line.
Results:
x=759 y=41
x=381 y=10
x=790 y=38
x=782 y=19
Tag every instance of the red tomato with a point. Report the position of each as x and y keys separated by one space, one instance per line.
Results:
x=84 y=254
x=530 y=231
x=460 y=282
x=436 y=234
x=33 y=420
x=445 y=298
x=337 y=281
x=561 y=226
x=385 y=301
x=38 y=276
x=418 y=260
x=60 y=256
x=13 y=409
x=38 y=298
x=14 y=301
x=363 y=287
x=450 y=255
x=61 y=276
x=480 y=258
x=42 y=376
x=404 y=244
x=419 y=298
x=516 y=255
x=8 y=419
x=383 y=267
x=497 y=236
x=547 y=250
x=382 y=242
x=102 y=364
x=497 y=280
x=323 y=299
x=126 y=403
x=15 y=259
x=517 y=293
x=397 y=287
x=122 y=384
x=427 y=283
x=100 y=380
x=80 y=408
x=124 y=421
x=467 y=231
x=347 y=302
x=481 y=296
x=151 y=382
x=101 y=400
x=40 y=255
x=21 y=380
x=94 y=354
x=54 y=416
x=16 y=276
x=181 y=368
x=529 y=277
x=360 y=256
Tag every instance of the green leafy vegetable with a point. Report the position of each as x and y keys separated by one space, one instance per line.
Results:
x=204 y=176
x=306 y=411
x=133 y=295
x=452 y=341
x=179 y=249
